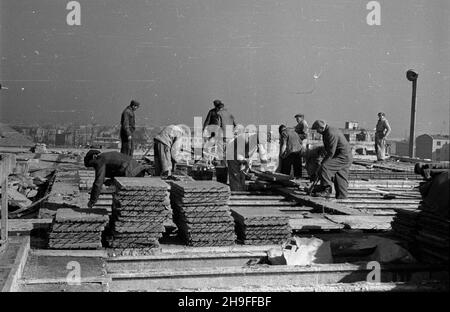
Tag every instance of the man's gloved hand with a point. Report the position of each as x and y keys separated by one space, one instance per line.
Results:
x=90 y=204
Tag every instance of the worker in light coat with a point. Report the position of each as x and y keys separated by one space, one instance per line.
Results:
x=168 y=145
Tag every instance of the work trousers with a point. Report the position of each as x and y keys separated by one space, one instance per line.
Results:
x=163 y=159
x=235 y=175
x=335 y=171
x=292 y=160
x=380 y=146
x=127 y=147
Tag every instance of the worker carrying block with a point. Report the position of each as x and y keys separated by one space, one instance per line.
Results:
x=110 y=165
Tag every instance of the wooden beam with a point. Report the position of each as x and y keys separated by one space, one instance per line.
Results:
x=7 y=164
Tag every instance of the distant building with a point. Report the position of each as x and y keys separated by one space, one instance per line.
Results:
x=432 y=147
x=398 y=148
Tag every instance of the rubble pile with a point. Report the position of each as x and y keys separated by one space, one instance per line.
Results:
x=261 y=226
x=201 y=213
x=75 y=228
x=141 y=206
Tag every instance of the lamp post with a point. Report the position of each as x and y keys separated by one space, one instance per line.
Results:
x=412 y=76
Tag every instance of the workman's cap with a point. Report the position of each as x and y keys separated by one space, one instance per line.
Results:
x=281 y=128
x=218 y=103
x=381 y=113
x=319 y=124
x=299 y=115
x=89 y=156
x=134 y=103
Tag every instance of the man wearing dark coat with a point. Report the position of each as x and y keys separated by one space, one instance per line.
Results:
x=335 y=166
x=110 y=165
x=127 y=128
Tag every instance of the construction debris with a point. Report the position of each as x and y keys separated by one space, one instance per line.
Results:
x=201 y=213
x=140 y=209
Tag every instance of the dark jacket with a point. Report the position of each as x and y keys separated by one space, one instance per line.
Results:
x=335 y=144
x=110 y=165
x=127 y=122
x=292 y=141
x=212 y=118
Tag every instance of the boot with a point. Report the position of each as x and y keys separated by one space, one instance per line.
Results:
x=325 y=192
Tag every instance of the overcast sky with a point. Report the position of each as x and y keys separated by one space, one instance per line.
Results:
x=267 y=60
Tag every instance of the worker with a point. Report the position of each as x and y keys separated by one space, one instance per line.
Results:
x=167 y=149
x=290 y=148
x=240 y=149
x=302 y=126
x=219 y=116
x=110 y=165
x=313 y=156
x=336 y=163
x=127 y=128
x=383 y=129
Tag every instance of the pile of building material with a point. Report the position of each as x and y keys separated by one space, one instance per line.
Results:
x=433 y=237
x=75 y=228
x=425 y=233
x=404 y=225
x=141 y=206
x=201 y=213
x=264 y=225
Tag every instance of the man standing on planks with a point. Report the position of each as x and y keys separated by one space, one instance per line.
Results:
x=382 y=130
x=336 y=163
x=127 y=128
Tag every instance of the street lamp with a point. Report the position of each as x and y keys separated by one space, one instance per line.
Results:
x=412 y=76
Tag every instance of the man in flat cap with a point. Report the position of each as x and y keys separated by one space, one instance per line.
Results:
x=382 y=130
x=127 y=128
x=216 y=123
x=219 y=116
x=302 y=126
x=336 y=164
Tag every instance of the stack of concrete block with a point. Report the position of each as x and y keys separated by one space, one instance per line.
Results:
x=141 y=207
x=261 y=226
x=201 y=213
x=75 y=228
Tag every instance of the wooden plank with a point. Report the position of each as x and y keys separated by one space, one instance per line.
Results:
x=380 y=206
x=363 y=222
x=317 y=202
x=256 y=197
x=314 y=224
x=261 y=203
x=4 y=221
x=12 y=281
x=26 y=225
